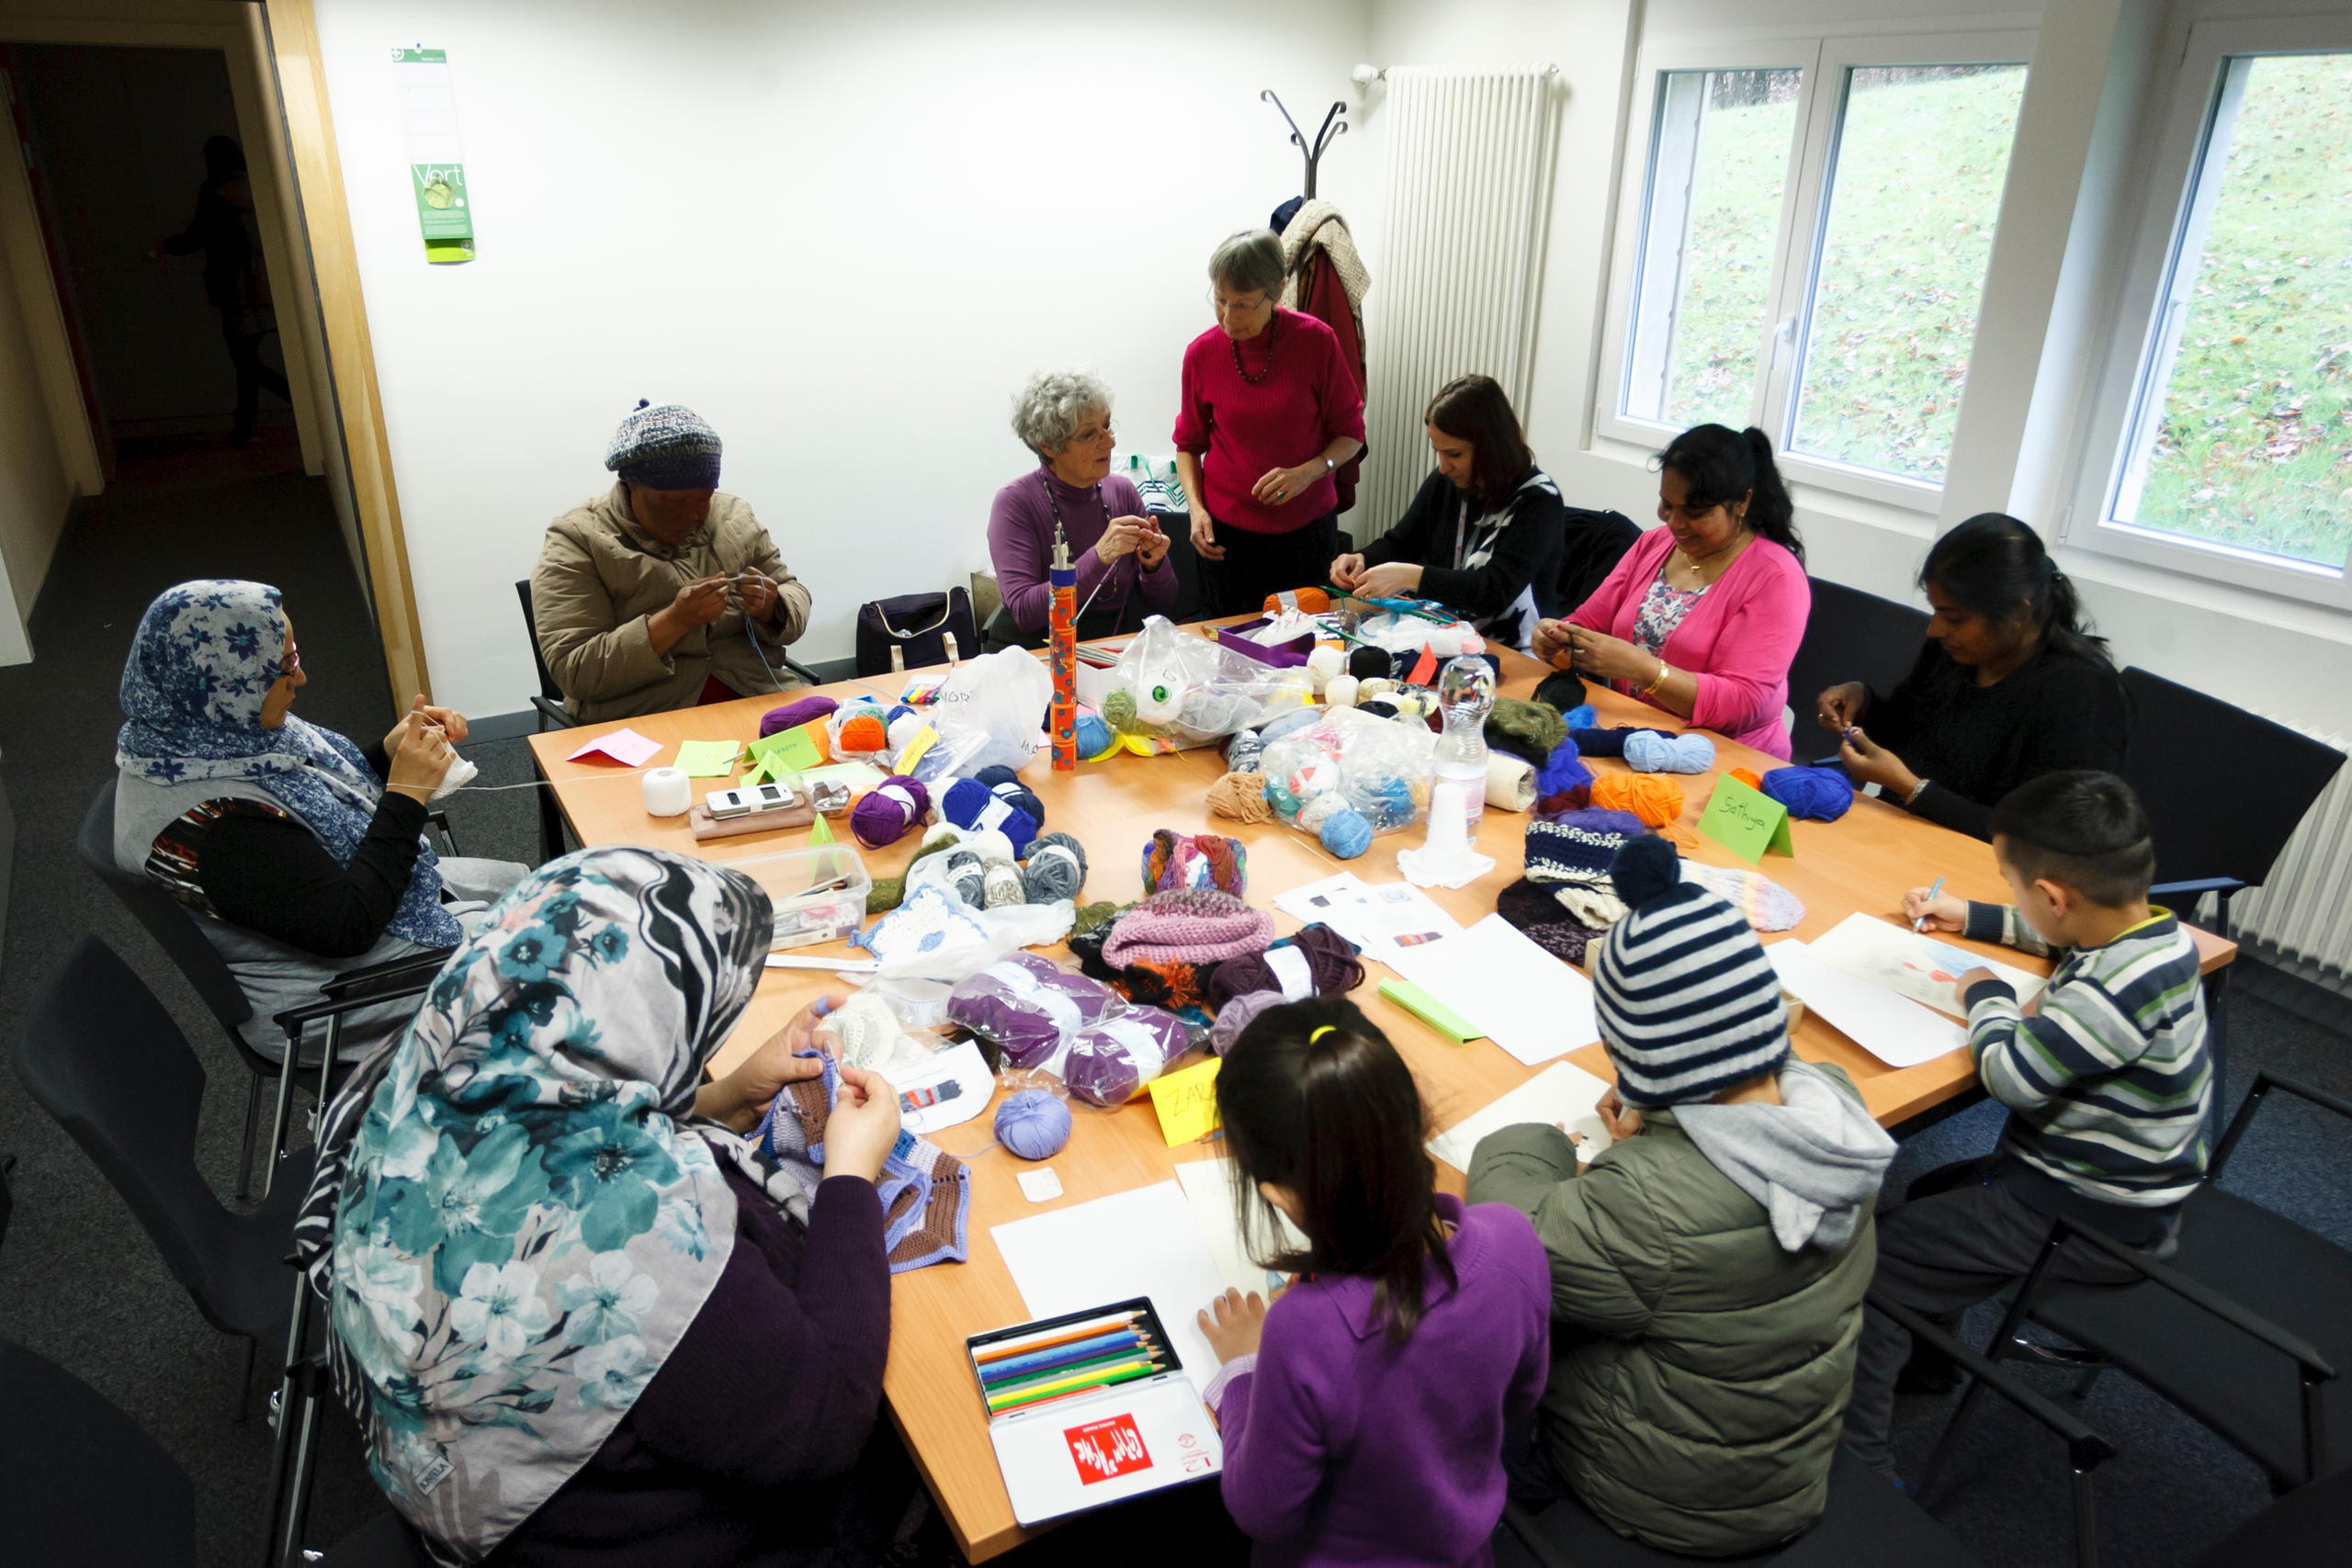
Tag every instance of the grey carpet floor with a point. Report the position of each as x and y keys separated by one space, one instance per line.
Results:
x=81 y=1282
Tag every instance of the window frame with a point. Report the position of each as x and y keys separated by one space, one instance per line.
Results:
x=1796 y=260
x=2140 y=352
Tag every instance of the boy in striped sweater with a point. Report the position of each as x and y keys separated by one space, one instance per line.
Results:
x=2106 y=1075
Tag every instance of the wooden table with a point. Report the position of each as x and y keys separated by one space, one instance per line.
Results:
x=1864 y=861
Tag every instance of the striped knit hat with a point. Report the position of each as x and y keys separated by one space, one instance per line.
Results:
x=1689 y=1004
x=668 y=447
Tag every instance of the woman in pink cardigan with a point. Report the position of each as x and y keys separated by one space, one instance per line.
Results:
x=1703 y=616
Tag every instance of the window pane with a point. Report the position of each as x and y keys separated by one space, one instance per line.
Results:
x=1719 y=167
x=1915 y=189
x=2252 y=443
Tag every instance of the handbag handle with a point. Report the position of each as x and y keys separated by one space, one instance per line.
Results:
x=946 y=609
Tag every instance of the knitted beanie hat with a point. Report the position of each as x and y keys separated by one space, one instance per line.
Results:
x=668 y=447
x=1194 y=925
x=1575 y=848
x=1689 y=1004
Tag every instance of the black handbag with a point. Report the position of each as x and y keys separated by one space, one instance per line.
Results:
x=914 y=630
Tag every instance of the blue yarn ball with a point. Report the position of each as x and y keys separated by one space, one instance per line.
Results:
x=1822 y=795
x=1278 y=797
x=1582 y=716
x=1385 y=802
x=1562 y=770
x=1095 y=736
x=1345 y=833
x=1033 y=1124
x=1648 y=751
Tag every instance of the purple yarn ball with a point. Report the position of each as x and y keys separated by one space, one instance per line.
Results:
x=792 y=715
x=889 y=811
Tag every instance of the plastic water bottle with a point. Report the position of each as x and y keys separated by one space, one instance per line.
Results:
x=1465 y=695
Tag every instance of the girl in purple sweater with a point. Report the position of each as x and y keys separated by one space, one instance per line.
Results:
x=1364 y=1410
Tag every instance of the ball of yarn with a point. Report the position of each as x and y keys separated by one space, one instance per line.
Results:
x=1644 y=869
x=1308 y=600
x=1384 y=800
x=886 y=895
x=1655 y=798
x=1343 y=691
x=1822 y=795
x=971 y=804
x=1332 y=968
x=1366 y=663
x=1324 y=666
x=1242 y=797
x=1119 y=708
x=1274 y=728
x=1378 y=686
x=1244 y=752
x=885 y=813
x=1562 y=690
x=1172 y=861
x=1095 y=736
x=1747 y=776
x=1563 y=771
x=865 y=733
x=1582 y=716
x=1531 y=730
x=970 y=879
x=987 y=843
x=1094 y=917
x=1647 y=751
x=1000 y=883
x=1006 y=785
x=792 y=715
x=1278 y=797
x=1346 y=834
x=1033 y=1124
x=901 y=727
x=1236 y=1014
x=1319 y=810
x=1056 y=868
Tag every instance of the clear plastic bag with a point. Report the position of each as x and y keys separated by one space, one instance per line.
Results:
x=991 y=711
x=1190 y=691
x=1380 y=767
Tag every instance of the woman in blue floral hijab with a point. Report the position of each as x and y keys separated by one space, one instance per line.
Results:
x=574 y=1311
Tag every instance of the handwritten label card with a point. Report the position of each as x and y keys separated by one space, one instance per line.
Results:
x=796 y=748
x=1186 y=1101
x=709 y=758
x=1746 y=821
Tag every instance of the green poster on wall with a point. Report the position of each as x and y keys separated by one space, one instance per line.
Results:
x=437 y=164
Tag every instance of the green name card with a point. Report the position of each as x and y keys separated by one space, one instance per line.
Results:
x=795 y=748
x=1746 y=821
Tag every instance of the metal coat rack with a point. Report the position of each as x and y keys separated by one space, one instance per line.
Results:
x=1333 y=128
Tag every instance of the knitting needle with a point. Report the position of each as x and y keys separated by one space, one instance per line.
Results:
x=1103 y=1324
x=1920 y=925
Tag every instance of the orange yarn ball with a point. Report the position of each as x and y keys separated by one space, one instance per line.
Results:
x=1311 y=601
x=1748 y=777
x=1655 y=798
x=863 y=733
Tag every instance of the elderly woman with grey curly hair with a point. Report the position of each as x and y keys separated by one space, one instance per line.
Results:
x=1270 y=410
x=1064 y=417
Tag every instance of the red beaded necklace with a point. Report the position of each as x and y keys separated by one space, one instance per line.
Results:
x=1274 y=325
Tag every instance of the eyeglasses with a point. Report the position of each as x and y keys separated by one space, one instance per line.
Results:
x=291 y=662
x=1089 y=435
x=1238 y=306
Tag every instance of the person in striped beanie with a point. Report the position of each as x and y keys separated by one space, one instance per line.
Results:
x=1713 y=1258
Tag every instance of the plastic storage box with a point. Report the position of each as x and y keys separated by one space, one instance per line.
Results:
x=819 y=893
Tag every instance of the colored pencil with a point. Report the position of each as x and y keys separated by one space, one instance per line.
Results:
x=997 y=1352
x=1075 y=1369
x=1054 y=1383
x=1933 y=893
x=1083 y=1350
x=1090 y=1388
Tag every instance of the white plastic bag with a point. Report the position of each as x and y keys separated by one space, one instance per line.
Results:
x=1190 y=691
x=990 y=711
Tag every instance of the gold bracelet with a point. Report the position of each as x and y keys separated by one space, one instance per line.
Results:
x=1664 y=673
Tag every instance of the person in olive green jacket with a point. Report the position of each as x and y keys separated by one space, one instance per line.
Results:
x=642 y=594
x=1715 y=1256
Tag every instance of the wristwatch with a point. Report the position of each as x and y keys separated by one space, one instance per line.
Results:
x=1329 y=467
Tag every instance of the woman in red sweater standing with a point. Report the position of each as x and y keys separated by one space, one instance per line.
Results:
x=1268 y=411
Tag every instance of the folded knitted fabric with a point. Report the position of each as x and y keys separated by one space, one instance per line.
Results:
x=1768 y=906
x=1195 y=860
x=1313 y=961
x=1196 y=925
x=1527 y=729
x=926 y=1192
x=1532 y=908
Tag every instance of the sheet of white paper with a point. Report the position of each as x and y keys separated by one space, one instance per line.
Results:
x=1516 y=994
x=1139 y=1243
x=1561 y=1095
x=1895 y=1029
x=1208 y=1186
x=959 y=1066
x=1382 y=918
x=1910 y=963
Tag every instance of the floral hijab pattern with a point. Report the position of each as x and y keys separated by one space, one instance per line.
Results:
x=205 y=655
x=513 y=1218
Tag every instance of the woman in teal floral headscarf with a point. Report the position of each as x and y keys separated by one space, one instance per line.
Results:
x=533 y=1207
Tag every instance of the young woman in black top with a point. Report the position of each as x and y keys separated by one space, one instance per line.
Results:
x=2011 y=685
x=1487 y=533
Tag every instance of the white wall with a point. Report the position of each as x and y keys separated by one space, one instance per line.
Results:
x=844 y=234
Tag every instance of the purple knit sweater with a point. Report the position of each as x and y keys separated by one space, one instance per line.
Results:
x=1021 y=545
x=772 y=1394
x=1341 y=1448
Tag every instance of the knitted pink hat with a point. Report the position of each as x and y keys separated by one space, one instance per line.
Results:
x=1188 y=925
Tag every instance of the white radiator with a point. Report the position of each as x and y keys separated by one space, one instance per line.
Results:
x=1470 y=154
x=2305 y=908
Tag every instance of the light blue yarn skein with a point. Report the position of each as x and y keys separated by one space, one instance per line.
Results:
x=1345 y=833
x=1033 y=1124
x=1646 y=751
x=1095 y=736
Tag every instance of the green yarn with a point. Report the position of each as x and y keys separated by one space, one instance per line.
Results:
x=886 y=895
x=1119 y=708
x=1532 y=730
x=1092 y=916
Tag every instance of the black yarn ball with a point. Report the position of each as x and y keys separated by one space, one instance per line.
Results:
x=1646 y=869
x=1562 y=690
x=1372 y=664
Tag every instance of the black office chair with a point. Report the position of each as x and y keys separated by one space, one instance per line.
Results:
x=81 y=1484
x=1849 y=636
x=1597 y=541
x=2244 y=1327
x=2303 y=1529
x=103 y=1057
x=1868 y=1524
